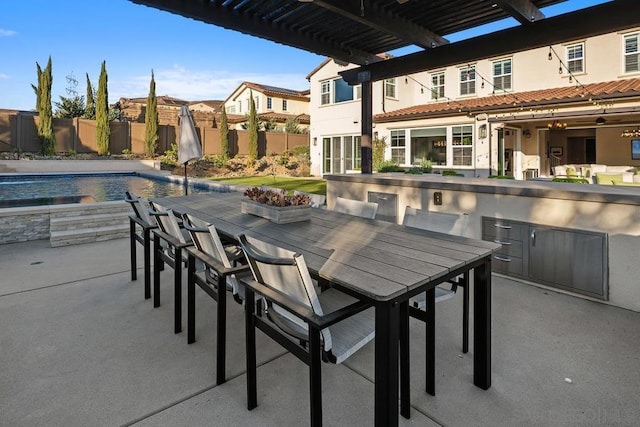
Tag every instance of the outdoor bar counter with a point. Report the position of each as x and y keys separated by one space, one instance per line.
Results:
x=575 y=238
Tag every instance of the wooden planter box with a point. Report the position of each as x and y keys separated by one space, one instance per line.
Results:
x=279 y=215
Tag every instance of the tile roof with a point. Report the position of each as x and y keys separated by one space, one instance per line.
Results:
x=304 y=119
x=617 y=89
x=279 y=91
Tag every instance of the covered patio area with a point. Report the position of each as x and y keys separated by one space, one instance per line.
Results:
x=81 y=346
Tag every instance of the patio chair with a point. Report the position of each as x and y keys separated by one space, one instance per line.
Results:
x=315 y=200
x=140 y=226
x=356 y=207
x=315 y=327
x=449 y=223
x=220 y=265
x=175 y=239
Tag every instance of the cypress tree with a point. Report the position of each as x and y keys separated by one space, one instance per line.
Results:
x=151 y=120
x=224 y=134
x=45 y=114
x=253 y=130
x=102 y=113
x=90 y=106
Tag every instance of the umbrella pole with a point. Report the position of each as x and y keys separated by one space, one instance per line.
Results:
x=186 y=184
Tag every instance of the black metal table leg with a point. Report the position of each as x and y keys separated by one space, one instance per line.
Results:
x=431 y=341
x=482 y=325
x=221 y=346
x=386 y=364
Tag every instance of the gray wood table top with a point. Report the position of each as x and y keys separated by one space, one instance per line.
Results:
x=378 y=260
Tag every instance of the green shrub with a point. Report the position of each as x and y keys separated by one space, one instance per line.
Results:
x=426 y=165
x=451 y=173
x=416 y=170
x=389 y=166
x=302 y=150
x=500 y=177
x=571 y=180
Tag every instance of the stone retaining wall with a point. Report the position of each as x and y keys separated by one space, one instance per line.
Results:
x=24 y=224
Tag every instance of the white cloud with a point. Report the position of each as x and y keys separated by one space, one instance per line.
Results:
x=179 y=82
x=4 y=77
x=7 y=33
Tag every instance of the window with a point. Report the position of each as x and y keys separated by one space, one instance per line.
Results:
x=257 y=102
x=341 y=153
x=575 y=58
x=462 y=143
x=631 y=53
x=269 y=103
x=359 y=92
x=468 y=80
x=429 y=144
x=501 y=74
x=325 y=92
x=336 y=91
x=239 y=106
x=343 y=92
x=437 y=85
x=231 y=109
x=390 y=88
x=284 y=105
x=398 y=146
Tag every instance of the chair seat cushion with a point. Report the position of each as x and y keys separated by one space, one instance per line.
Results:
x=351 y=334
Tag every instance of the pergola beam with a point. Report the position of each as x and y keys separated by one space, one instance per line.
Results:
x=218 y=14
x=371 y=16
x=523 y=10
x=601 y=19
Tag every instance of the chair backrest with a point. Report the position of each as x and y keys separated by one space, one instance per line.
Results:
x=286 y=272
x=168 y=222
x=443 y=222
x=315 y=200
x=206 y=238
x=356 y=207
x=140 y=208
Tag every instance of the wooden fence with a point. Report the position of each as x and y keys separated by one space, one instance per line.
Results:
x=19 y=132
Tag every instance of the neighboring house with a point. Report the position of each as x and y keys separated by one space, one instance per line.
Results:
x=273 y=104
x=212 y=106
x=517 y=115
x=134 y=109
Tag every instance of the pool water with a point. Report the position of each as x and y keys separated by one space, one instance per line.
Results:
x=35 y=190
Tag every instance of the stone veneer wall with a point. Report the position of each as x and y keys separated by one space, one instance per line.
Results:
x=24 y=224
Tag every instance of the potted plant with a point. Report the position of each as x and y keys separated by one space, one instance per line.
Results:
x=276 y=205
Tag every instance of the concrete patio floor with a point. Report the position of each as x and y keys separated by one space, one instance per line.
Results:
x=80 y=346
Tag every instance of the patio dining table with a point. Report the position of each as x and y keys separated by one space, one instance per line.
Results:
x=379 y=262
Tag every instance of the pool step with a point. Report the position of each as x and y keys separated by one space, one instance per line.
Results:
x=88 y=222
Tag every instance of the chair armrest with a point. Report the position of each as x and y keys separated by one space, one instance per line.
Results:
x=302 y=311
x=172 y=240
x=141 y=223
x=213 y=263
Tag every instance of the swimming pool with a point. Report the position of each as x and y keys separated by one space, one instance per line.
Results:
x=51 y=189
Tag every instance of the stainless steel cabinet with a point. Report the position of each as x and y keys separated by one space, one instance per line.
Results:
x=574 y=260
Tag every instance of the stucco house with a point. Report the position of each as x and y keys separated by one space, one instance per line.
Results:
x=519 y=115
x=274 y=104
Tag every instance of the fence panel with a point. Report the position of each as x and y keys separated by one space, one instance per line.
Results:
x=87 y=134
x=19 y=130
x=28 y=130
x=65 y=134
x=7 y=128
x=137 y=138
x=119 y=138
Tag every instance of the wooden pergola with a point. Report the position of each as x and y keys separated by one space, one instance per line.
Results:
x=359 y=31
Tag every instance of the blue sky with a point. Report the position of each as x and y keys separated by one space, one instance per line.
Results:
x=191 y=60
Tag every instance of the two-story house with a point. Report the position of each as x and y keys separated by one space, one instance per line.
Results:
x=518 y=115
x=272 y=103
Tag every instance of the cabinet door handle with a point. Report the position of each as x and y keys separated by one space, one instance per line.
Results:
x=502 y=243
x=533 y=237
x=505 y=227
x=500 y=258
